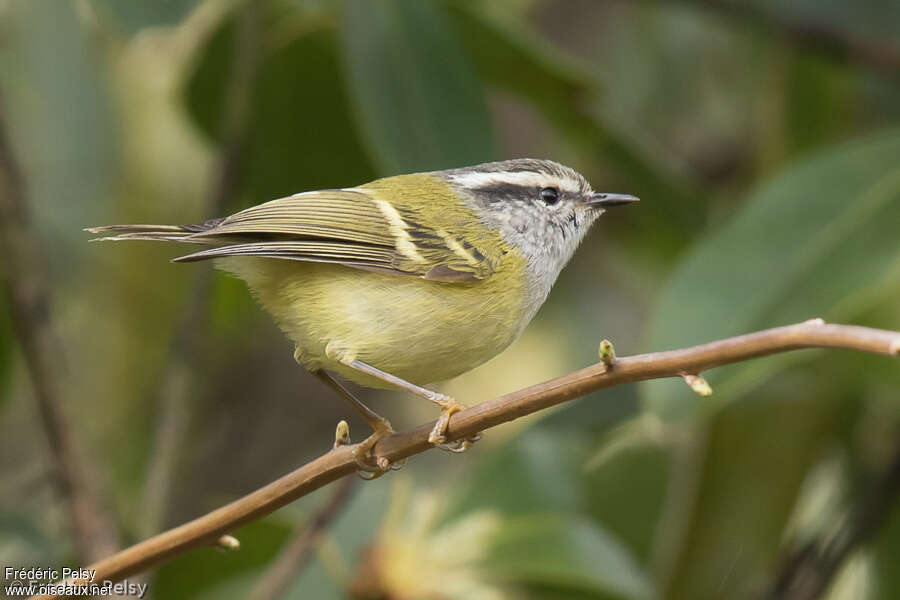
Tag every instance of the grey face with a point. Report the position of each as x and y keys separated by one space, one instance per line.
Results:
x=541 y=207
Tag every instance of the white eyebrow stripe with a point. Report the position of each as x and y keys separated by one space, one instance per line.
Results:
x=477 y=179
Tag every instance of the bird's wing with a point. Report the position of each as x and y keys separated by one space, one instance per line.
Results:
x=349 y=226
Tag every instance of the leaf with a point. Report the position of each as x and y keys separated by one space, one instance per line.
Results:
x=56 y=102
x=415 y=94
x=727 y=532
x=626 y=481
x=347 y=540
x=134 y=15
x=566 y=551
x=189 y=575
x=819 y=240
x=514 y=59
x=817 y=93
x=879 y=19
x=886 y=550
x=6 y=343
x=301 y=134
x=538 y=470
x=23 y=542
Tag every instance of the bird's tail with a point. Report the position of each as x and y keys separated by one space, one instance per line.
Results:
x=165 y=233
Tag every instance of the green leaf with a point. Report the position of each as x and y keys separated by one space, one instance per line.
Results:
x=875 y=20
x=202 y=569
x=57 y=104
x=538 y=470
x=886 y=551
x=565 y=551
x=23 y=542
x=351 y=535
x=416 y=96
x=723 y=537
x=301 y=134
x=6 y=344
x=819 y=240
x=134 y=15
x=817 y=93
x=626 y=483
x=516 y=60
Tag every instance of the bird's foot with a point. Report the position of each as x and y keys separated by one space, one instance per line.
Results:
x=438 y=435
x=370 y=466
x=460 y=446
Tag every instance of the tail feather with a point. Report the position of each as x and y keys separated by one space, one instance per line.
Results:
x=166 y=233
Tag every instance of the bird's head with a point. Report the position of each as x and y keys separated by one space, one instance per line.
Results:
x=539 y=206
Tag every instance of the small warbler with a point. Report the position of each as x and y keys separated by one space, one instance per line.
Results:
x=406 y=280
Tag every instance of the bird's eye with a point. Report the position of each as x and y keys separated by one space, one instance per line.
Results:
x=550 y=195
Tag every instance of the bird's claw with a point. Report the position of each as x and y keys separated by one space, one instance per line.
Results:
x=461 y=445
x=369 y=466
x=449 y=407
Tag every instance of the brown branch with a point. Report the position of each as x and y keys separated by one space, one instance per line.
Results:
x=340 y=461
x=806 y=574
x=878 y=54
x=291 y=560
x=28 y=297
x=175 y=390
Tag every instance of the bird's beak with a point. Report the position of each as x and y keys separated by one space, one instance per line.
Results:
x=604 y=200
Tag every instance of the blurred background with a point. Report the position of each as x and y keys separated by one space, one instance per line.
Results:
x=763 y=138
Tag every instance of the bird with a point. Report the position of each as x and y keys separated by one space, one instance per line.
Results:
x=404 y=281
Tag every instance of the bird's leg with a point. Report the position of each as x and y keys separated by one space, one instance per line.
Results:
x=448 y=405
x=380 y=426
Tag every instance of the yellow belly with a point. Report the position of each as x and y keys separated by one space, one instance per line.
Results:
x=422 y=331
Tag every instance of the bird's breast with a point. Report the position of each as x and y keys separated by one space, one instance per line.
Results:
x=423 y=331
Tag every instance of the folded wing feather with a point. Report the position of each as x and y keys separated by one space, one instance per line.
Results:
x=338 y=226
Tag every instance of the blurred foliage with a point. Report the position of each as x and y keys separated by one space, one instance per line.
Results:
x=6 y=347
x=514 y=58
x=131 y=17
x=301 y=135
x=197 y=572
x=554 y=551
x=415 y=93
x=821 y=240
x=767 y=168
